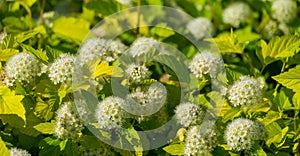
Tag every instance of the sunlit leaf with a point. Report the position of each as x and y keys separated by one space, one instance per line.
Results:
x=290 y=79
x=3 y=149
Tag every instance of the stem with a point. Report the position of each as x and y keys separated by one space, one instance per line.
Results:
x=42 y=12
x=139 y=17
x=29 y=14
x=246 y=56
x=281 y=71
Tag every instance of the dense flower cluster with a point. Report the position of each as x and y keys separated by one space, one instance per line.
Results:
x=18 y=152
x=200 y=139
x=201 y=27
x=146 y=102
x=93 y=49
x=21 y=67
x=270 y=29
x=62 y=69
x=137 y=73
x=109 y=113
x=284 y=10
x=188 y=114
x=236 y=14
x=142 y=46
x=205 y=63
x=70 y=119
x=242 y=133
x=246 y=92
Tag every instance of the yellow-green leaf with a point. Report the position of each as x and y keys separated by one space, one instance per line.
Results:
x=45 y=128
x=102 y=70
x=3 y=149
x=280 y=47
x=11 y=103
x=73 y=28
x=296 y=101
x=228 y=43
x=175 y=149
x=5 y=54
x=290 y=79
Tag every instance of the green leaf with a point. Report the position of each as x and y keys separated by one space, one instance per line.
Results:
x=290 y=79
x=11 y=103
x=246 y=35
x=175 y=149
x=71 y=148
x=282 y=101
x=45 y=128
x=5 y=54
x=37 y=53
x=231 y=114
x=228 y=43
x=21 y=37
x=279 y=47
x=70 y=27
x=49 y=146
x=52 y=54
x=275 y=133
x=296 y=101
x=270 y=117
x=162 y=30
x=3 y=149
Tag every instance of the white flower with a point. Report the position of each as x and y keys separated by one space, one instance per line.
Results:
x=125 y=2
x=236 y=14
x=109 y=113
x=246 y=92
x=62 y=69
x=145 y=103
x=270 y=29
x=242 y=133
x=21 y=67
x=200 y=139
x=106 y=50
x=93 y=49
x=205 y=63
x=201 y=27
x=142 y=46
x=137 y=73
x=18 y=152
x=70 y=120
x=284 y=10
x=188 y=114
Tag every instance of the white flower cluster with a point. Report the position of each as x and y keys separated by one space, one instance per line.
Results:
x=242 y=133
x=188 y=114
x=70 y=120
x=201 y=27
x=142 y=46
x=200 y=139
x=21 y=67
x=137 y=73
x=236 y=14
x=205 y=63
x=18 y=152
x=270 y=29
x=107 y=50
x=62 y=69
x=246 y=92
x=284 y=10
x=109 y=113
x=148 y=102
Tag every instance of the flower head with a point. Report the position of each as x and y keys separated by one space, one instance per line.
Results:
x=284 y=10
x=62 y=69
x=137 y=73
x=270 y=29
x=236 y=14
x=142 y=46
x=242 y=133
x=21 y=67
x=201 y=27
x=70 y=120
x=109 y=113
x=200 y=139
x=246 y=92
x=205 y=63
x=18 y=152
x=188 y=114
x=92 y=49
